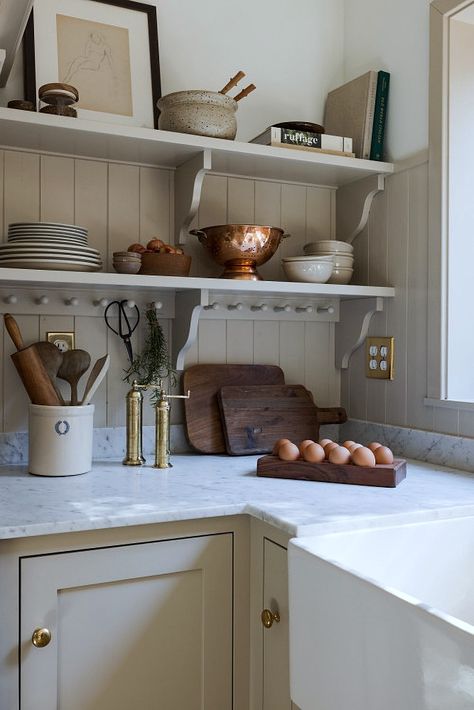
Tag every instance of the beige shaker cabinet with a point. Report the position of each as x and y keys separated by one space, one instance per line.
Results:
x=140 y=626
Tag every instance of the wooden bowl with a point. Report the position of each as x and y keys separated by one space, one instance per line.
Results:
x=166 y=264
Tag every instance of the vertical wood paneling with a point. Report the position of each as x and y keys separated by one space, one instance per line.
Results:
x=240 y=342
x=91 y=336
x=123 y=208
x=361 y=259
x=268 y=211
x=212 y=210
x=2 y=371
x=3 y=236
x=318 y=362
x=240 y=201
x=22 y=187
x=293 y=221
x=292 y=350
x=154 y=205
x=358 y=385
x=377 y=268
x=266 y=342
x=318 y=213
x=57 y=189
x=90 y=207
x=16 y=401
x=212 y=341
x=398 y=238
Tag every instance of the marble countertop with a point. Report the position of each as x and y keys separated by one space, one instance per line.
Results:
x=112 y=495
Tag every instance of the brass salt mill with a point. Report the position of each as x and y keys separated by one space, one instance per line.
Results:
x=134 y=456
x=162 y=426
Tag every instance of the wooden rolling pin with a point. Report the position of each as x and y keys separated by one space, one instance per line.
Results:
x=32 y=372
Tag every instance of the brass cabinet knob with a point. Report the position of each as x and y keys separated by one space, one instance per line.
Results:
x=41 y=637
x=268 y=617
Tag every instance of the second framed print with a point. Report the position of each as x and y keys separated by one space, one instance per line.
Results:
x=108 y=50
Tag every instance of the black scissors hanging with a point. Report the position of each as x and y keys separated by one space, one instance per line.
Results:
x=125 y=329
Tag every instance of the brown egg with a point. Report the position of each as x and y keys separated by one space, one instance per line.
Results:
x=363 y=457
x=288 y=452
x=314 y=453
x=304 y=444
x=323 y=442
x=329 y=447
x=354 y=447
x=374 y=445
x=339 y=455
x=277 y=445
x=383 y=455
x=348 y=444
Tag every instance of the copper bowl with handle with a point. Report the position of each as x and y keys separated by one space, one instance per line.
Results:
x=240 y=248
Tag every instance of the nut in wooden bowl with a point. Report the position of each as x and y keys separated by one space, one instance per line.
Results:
x=162 y=264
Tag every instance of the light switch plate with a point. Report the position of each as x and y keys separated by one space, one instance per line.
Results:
x=379 y=358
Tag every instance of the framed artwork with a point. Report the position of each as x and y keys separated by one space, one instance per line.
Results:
x=13 y=18
x=107 y=49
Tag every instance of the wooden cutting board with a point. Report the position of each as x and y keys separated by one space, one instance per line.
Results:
x=381 y=476
x=254 y=417
x=202 y=415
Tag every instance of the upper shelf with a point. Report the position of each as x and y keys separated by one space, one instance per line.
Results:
x=92 y=139
x=32 y=278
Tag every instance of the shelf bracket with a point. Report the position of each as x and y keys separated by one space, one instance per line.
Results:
x=350 y=218
x=353 y=326
x=189 y=305
x=189 y=179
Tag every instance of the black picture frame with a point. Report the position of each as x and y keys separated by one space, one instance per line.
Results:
x=29 y=64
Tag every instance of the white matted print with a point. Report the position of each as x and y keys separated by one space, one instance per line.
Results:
x=104 y=51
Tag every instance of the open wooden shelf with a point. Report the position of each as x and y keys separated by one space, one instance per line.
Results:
x=83 y=138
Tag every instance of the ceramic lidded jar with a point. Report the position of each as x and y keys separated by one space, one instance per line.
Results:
x=203 y=113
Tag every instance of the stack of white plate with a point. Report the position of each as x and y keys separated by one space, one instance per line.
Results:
x=49 y=245
x=343 y=254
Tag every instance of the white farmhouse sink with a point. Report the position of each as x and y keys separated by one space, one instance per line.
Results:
x=383 y=619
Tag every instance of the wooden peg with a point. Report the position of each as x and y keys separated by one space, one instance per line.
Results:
x=245 y=92
x=233 y=82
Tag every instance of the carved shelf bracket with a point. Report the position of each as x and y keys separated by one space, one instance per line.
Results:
x=189 y=305
x=189 y=179
x=353 y=327
x=353 y=204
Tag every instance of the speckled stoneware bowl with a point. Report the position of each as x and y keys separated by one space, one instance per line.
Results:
x=203 y=113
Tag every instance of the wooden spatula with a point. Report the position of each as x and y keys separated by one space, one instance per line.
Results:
x=96 y=376
x=75 y=363
x=30 y=367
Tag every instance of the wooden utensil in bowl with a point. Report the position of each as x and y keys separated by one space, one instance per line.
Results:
x=30 y=367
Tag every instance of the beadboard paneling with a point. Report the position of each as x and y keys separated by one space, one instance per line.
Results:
x=121 y=204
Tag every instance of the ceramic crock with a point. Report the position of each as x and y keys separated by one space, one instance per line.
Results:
x=60 y=440
x=203 y=113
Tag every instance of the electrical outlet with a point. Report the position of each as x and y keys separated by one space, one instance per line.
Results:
x=63 y=341
x=379 y=358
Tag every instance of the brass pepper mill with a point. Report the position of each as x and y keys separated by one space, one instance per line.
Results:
x=134 y=456
x=162 y=426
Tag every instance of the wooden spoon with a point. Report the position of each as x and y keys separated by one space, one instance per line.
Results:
x=52 y=359
x=96 y=376
x=75 y=363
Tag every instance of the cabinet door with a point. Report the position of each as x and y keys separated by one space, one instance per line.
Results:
x=276 y=675
x=142 y=626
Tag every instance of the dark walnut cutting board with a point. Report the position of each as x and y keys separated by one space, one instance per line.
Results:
x=202 y=414
x=382 y=476
x=254 y=417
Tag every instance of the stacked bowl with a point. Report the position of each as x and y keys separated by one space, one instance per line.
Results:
x=127 y=262
x=342 y=254
x=48 y=245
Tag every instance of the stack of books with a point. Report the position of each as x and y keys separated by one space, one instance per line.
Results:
x=359 y=109
x=305 y=140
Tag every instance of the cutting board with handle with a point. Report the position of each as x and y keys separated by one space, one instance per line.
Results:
x=254 y=417
x=202 y=415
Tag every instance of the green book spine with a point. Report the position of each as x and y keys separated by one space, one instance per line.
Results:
x=380 y=115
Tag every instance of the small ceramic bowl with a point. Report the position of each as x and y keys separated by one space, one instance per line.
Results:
x=127 y=267
x=341 y=261
x=328 y=245
x=341 y=276
x=316 y=271
x=204 y=113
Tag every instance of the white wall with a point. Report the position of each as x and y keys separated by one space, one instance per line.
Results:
x=292 y=52
x=393 y=35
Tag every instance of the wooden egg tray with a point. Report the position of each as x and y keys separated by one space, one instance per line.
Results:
x=381 y=475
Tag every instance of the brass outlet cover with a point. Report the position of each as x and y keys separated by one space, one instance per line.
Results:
x=64 y=341
x=379 y=358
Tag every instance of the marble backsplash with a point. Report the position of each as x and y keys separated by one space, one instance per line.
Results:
x=110 y=443
x=440 y=449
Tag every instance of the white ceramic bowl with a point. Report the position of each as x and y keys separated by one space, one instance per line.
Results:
x=341 y=261
x=328 y=245
x=315 y=271
x=341 y=276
